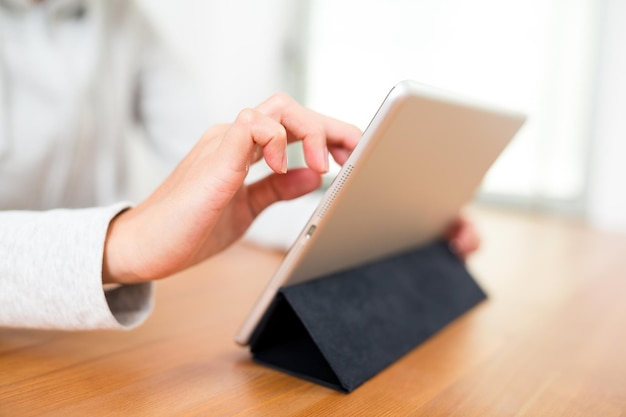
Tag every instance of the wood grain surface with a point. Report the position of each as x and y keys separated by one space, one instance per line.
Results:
x=549 y=341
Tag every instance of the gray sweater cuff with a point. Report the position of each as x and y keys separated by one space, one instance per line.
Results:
x=51 y=272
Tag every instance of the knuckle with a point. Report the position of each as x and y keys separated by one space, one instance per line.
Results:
x=281 y=100
x=246 y=117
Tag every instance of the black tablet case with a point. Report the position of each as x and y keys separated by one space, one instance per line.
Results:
x=342 y=329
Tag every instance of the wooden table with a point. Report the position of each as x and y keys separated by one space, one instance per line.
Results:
x=551 y=340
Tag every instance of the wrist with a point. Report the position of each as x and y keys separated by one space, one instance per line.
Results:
x=115 y=268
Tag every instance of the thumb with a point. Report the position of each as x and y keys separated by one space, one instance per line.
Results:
x=279 y=187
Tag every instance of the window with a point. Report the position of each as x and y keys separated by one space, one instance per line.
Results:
x=537 y=56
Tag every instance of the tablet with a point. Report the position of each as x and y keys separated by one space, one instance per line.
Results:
x=420 y=160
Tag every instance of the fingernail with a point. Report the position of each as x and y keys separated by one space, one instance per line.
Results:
x=326 y=167
x=283 y=168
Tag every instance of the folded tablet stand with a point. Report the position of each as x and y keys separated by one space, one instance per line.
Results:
x=343 y=329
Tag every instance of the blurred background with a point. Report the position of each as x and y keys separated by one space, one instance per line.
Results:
x=560 y=62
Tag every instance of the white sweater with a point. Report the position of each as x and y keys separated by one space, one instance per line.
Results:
x=75 y=77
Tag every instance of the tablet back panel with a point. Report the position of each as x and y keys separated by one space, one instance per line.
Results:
x=423 y=157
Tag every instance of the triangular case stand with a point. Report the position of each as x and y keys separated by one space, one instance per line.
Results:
x=342 y=329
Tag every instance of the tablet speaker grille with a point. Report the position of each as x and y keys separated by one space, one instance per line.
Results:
x=336 y=188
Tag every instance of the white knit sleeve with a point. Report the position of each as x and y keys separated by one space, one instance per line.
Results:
x=51 y=272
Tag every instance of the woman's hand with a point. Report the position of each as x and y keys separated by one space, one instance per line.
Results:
x=204 y=205
x=463 y=237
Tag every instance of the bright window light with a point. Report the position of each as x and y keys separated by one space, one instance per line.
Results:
x=536 y=56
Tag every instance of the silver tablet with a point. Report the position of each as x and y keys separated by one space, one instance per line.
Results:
x=421 y=159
